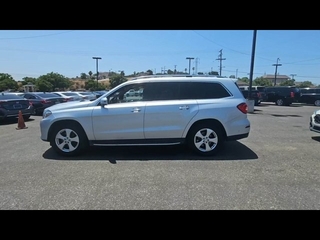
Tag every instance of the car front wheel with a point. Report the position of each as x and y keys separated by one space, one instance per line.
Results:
x=68 y=139
x=206 y=139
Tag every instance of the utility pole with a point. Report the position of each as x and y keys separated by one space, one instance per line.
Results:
x=175 y=70
x=220 y=59
x=189 y=58
x=97 y=58
x=252 y=62
x=293 y=76
x=197 y=61
x=275 y=73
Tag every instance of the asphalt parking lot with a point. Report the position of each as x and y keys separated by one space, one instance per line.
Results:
x=276 y=168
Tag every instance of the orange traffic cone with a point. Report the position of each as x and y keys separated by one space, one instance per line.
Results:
x=21 y=124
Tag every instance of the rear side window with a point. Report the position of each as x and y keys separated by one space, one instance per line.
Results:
x=161 y=91
x=202 y=90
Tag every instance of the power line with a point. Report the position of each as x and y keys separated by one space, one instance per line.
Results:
x=46 y=35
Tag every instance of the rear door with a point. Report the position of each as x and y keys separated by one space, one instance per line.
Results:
x=167 y=114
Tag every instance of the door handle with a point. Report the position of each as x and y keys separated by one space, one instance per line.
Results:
x=136 y=110
x=184 y=107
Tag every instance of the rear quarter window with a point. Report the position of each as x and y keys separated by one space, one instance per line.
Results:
x=203 y=90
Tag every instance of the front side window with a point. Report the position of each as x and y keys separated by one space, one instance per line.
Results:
x=129 y=93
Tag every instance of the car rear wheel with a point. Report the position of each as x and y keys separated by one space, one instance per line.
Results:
x=317 y=102
x=206 y=139
x=68 y=139
x=280 y=102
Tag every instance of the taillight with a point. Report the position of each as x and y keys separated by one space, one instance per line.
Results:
x=243 y=107
x=292 y=94
x=30 y=103
x=45 y=101
x=259 y=95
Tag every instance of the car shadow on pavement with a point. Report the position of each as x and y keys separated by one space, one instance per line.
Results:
x=233 y=150
x=13 y=121
x=316 y=138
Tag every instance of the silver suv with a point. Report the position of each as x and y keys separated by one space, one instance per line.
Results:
x=200 y=111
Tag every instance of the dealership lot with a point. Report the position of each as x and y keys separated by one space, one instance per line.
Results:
x=276 y=167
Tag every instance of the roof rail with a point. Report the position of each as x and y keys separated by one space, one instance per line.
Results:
x=175 y=75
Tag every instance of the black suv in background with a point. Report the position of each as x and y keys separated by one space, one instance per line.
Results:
x=310 y=96
x=282 y=95
x=255 y=95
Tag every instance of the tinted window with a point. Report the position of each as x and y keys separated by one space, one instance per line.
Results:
x=46 y=95
x=202 y=91
x=70 y=94
x=161 y=91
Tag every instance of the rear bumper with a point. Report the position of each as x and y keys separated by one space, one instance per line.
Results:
x=237 y=137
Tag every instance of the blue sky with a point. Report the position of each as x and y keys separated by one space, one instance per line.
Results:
x=32 y=53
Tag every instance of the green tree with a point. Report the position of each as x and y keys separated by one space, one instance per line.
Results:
x=116 y=80
x=90 y=74
x=7 y=82
x=29 y=80
x=305 y=84
x=244 y=79
x=150 y=72
x=83 y=76
x=260 y=81
x=57 y=82
x=44 y=85
x=215 y=73
x=287 y=83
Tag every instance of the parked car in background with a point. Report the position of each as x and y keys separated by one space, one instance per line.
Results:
x=11 y=104
x=310 y=96
x=42 y=100
x=87 y=95
x=314 y=123
x=99 y=93
x=69 y=96
x=200 y=111
x=255 y=95
x=282 y=95
x=261 y=89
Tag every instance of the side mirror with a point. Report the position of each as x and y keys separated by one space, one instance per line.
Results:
x=103 y=101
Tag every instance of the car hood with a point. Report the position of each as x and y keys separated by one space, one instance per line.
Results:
x=70 y=105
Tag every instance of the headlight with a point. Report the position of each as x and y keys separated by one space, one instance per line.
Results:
x=46 y=113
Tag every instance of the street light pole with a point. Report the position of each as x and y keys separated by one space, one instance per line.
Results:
x=190 y=58
x=97 y=58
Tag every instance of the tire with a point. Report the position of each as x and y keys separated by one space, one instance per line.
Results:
x=69 y=139
x=317 y=102
x=205 y=139
x=280 y=102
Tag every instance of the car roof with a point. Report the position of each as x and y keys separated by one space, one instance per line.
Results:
x=163 y=78
x=10 y=96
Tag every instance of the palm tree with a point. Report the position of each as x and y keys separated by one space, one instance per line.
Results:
x=90 y=74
